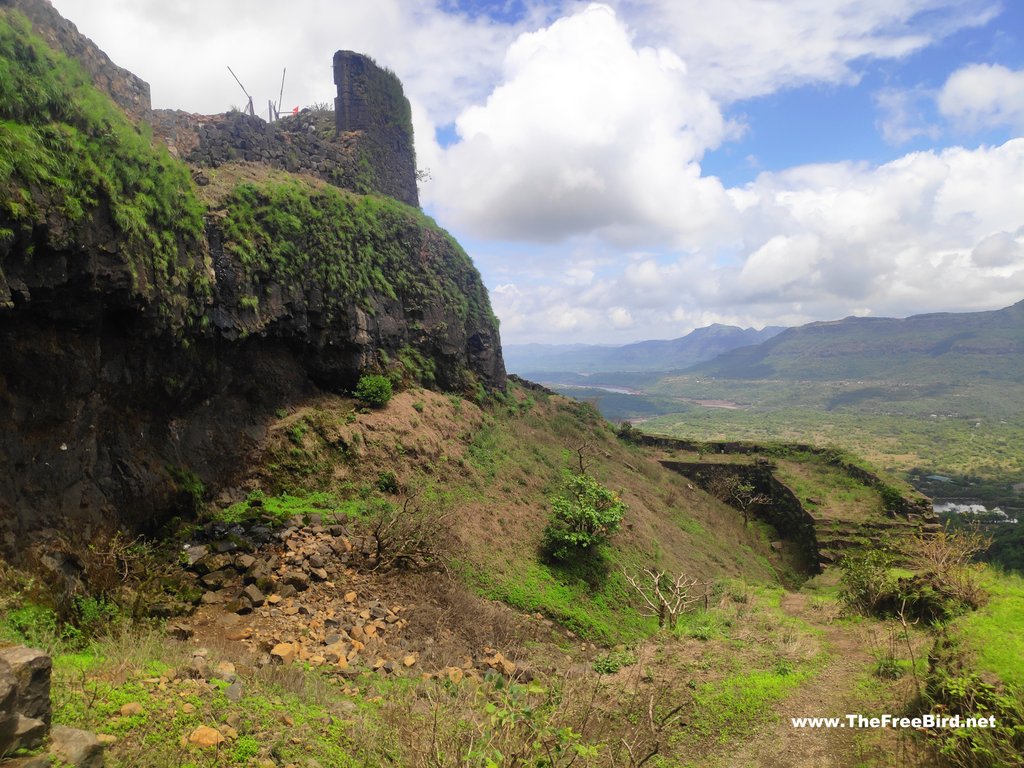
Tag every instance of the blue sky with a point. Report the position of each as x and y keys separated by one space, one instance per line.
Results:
x=638 y=168
x=829 y=123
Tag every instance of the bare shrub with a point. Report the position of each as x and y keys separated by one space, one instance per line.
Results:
x=948 y=558
x=667 y=596
x=411 y=533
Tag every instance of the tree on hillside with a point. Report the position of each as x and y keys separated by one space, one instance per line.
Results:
x=736 y=492
x=583 y=516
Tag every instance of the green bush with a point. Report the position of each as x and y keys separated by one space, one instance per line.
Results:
x=613 y=661
x=374 y=390
x=582 y=517
x=868 y=583
x=387 y=482
x=954 y=690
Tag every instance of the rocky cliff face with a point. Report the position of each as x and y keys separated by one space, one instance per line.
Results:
x=149 y=327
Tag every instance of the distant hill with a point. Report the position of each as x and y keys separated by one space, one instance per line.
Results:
x=944 y=348
x=931 y=395
x=643 y=356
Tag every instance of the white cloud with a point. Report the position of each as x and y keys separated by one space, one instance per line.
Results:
x=745 y=48
x=984 y=96
x=587 y=133
x=782 y=264
x=620 y=317
x=902 y=115
x=930 y=231
x=1000 y=249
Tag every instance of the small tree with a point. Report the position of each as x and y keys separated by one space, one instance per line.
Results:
x=374 y=390
x=583 y=516
x=736 y=492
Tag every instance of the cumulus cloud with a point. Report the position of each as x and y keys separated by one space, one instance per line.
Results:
x=901 y=231
x=928 y=231
x=1000 y=249
x=587 y=133
x=982 y=96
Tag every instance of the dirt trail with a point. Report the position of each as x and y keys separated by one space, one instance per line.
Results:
x=831 y=693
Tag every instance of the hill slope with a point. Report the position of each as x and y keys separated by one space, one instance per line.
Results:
x=946 y=348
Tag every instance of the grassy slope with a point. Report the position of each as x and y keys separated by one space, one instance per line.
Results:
x=994 y=634
x=495 y=471
x=492 y=470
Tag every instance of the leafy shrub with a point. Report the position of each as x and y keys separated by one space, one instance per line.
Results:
x=387 y=482
x=944 y=586
x=867 y=580
x=584 y=516
x=613 y=661
x=952 y=689
x=374 y=390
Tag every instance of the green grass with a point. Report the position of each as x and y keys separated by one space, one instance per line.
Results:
x=995 y=632
x=281 y=509
x=735 y=706
x=90 y=690
x=598 y=607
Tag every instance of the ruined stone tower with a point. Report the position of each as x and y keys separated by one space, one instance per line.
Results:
x=372 y=105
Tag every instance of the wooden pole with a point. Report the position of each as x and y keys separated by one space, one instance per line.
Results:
x=280 y=98
x=250 y=108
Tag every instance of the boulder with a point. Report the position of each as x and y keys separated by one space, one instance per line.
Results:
x=30 y=672
x=75 y=748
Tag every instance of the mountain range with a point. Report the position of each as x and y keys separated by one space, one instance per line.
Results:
x=698 y=346
x=941 y=347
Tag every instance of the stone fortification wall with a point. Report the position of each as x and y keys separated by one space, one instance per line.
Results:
x=372 y=105
x=304 y=143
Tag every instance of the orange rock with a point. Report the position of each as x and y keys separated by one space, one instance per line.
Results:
x=205 y=737
x=283 y=653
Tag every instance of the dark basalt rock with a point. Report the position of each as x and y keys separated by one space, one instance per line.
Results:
x=128 y=390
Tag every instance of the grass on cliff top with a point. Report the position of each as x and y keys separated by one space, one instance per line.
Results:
x=302 y=233
x=66 y=148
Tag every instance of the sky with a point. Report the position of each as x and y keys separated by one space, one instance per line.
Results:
x=635 y=169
